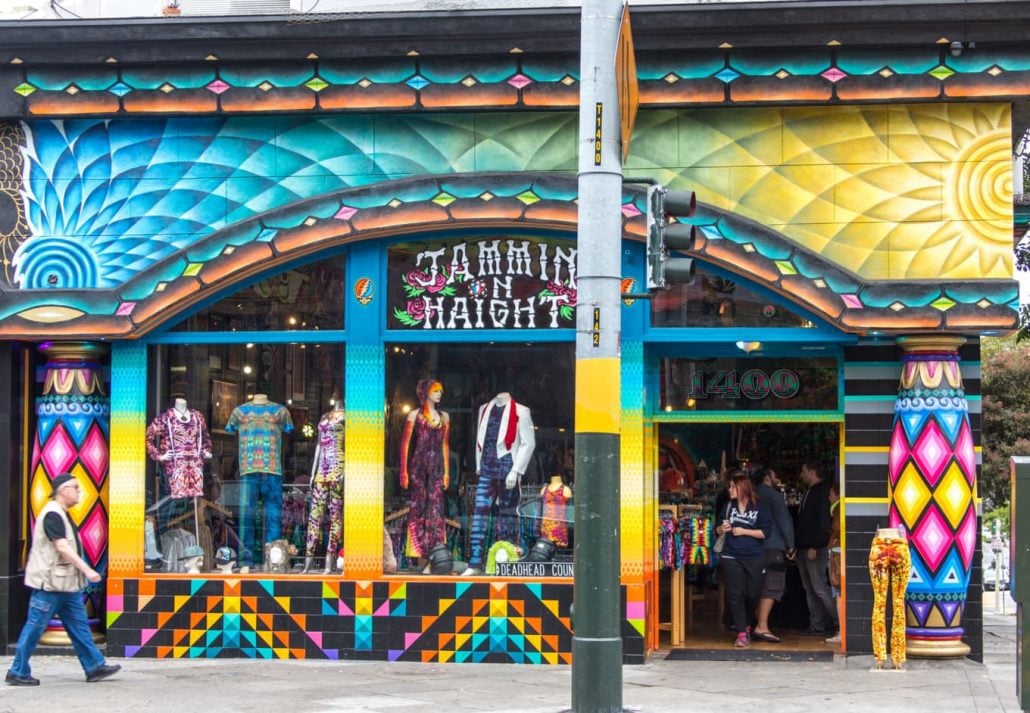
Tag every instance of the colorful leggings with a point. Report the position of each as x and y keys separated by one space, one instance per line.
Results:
x=889 y=566
x=506 y=526
x=325 y=492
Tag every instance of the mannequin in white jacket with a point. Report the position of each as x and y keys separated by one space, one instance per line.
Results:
x=505 y=440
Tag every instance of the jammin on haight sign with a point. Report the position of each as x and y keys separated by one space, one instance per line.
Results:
x=483 y=283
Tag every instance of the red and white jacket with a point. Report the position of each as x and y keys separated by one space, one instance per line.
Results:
x=517 y=438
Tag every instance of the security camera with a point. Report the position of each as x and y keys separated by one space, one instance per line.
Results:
x=955 y=48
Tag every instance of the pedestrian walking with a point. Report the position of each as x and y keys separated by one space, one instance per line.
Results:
x=57 y=574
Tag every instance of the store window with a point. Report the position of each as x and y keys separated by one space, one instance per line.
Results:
x=479 y=455
x=307 y=298
x=714 y=301
x=749 y=384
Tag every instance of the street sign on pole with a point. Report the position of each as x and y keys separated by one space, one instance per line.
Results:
x=626 y=80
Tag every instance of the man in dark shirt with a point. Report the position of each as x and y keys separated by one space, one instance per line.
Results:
x=779 y=546
x=812 y=536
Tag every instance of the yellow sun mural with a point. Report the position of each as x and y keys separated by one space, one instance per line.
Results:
x=890 y=192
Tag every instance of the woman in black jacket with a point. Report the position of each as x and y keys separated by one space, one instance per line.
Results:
x=746 y=523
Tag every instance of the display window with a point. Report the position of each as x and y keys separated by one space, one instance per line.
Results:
x=245 y=439
x=306 y=298
x=479 y=454
x=712 y=300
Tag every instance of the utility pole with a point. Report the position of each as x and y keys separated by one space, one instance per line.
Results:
x=596 y=619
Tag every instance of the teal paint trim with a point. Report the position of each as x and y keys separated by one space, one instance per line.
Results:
x=313 y=337
x=729 y=335
x=687 y=347
x=748 y=416
x=466 y=336
x=366 y=323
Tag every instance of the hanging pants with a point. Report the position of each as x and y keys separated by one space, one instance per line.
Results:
x=325 y=493
x=889 y=566
x=268 y=489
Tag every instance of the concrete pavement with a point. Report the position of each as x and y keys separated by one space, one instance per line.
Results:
x=234 y=685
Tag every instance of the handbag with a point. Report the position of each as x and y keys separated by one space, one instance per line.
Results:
x=720 y=541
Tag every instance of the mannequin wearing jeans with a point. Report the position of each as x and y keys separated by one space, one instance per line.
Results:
x=261 y=425
x=505 y=441
x=889 y=566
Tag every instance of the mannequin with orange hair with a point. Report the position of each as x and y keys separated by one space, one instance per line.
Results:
x=425 y=471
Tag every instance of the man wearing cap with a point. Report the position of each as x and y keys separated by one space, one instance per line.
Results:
x=56 y=574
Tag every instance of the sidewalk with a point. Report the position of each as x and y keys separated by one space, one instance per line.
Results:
x=235 y=685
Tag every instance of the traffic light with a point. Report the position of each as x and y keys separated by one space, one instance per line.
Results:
x=665 y=233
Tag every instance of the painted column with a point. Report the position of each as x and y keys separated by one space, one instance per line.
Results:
x=932 y=469
x=72 y=431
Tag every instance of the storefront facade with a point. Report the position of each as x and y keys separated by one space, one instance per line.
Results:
x=195 y=223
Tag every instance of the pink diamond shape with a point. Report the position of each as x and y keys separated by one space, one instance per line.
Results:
x=218 y=86
x=93 y=534
x=519 y=81
x=125 y=309
x=898 y=454
x=58 y=452
x=932 y=452
x=965 y=454
x=852 y=301
x=345 y=213
x=630 y=211
x=965 y=539
x=894 y=518
x=94 y=454
x=833 y=74
x=933 y=538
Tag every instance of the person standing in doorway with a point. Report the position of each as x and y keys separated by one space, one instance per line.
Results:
x=56 y=574
x=812 y=537
x=779 y=547
x=746 y=522
x=836 y=566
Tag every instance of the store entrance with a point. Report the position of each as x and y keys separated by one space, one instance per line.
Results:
x=692 y=458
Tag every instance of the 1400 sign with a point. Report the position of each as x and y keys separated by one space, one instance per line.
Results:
x=754 y=384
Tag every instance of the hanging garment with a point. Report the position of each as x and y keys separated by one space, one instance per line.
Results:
x=491 y=488
x=426 y=472
x=180 y=443
x=889 y=565
x=555 y=525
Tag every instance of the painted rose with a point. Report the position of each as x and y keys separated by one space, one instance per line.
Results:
x=416 y=309
x=422 y=281
x=568 y=294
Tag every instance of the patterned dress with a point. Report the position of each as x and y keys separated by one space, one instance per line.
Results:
x=180 y=445
x=554 y=517
x=426 y=476
x=327 y=485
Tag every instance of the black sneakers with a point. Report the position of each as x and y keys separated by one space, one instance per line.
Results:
x=12 y=680
x=105 y=671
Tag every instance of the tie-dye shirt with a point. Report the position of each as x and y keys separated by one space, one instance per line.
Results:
x=260 y=428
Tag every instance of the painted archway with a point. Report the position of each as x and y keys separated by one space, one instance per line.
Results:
x=494 y=201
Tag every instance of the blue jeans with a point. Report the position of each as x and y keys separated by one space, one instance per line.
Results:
x=268 y=488
x=42 y=608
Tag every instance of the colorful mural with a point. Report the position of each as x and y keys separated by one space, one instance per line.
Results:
x=490 y=622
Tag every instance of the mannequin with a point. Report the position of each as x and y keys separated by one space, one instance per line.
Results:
x=225 y=560
x=178 y=440
x=193 y=559
x=426 y=474
x=505 y=441
x=554 y=523
x=327 y=487
x=260 y=425
x=889 y=565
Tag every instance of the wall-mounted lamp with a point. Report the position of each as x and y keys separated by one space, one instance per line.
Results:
x=955 y=48
x=748 y=347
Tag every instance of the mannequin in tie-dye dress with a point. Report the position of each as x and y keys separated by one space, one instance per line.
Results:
x=178 y=439
x=327 y=488
x=425 y=472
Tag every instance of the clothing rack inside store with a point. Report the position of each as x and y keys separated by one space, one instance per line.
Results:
x=681 y=594
x=202 y=504
x=404 y=511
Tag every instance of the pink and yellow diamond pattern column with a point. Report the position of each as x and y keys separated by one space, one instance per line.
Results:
x=72 y=430
x=932 y=469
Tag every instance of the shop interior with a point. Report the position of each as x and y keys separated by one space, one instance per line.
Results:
x=691 y=460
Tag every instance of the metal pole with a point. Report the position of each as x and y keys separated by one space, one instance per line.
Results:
x=597 y=639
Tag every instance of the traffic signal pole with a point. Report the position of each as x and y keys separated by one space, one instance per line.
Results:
x=596 y=619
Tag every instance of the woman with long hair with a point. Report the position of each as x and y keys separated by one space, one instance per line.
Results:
x=746 y=521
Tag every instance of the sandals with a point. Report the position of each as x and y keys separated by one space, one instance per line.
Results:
x=766 y=637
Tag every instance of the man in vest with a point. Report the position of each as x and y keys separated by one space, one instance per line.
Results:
x=56 y=574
